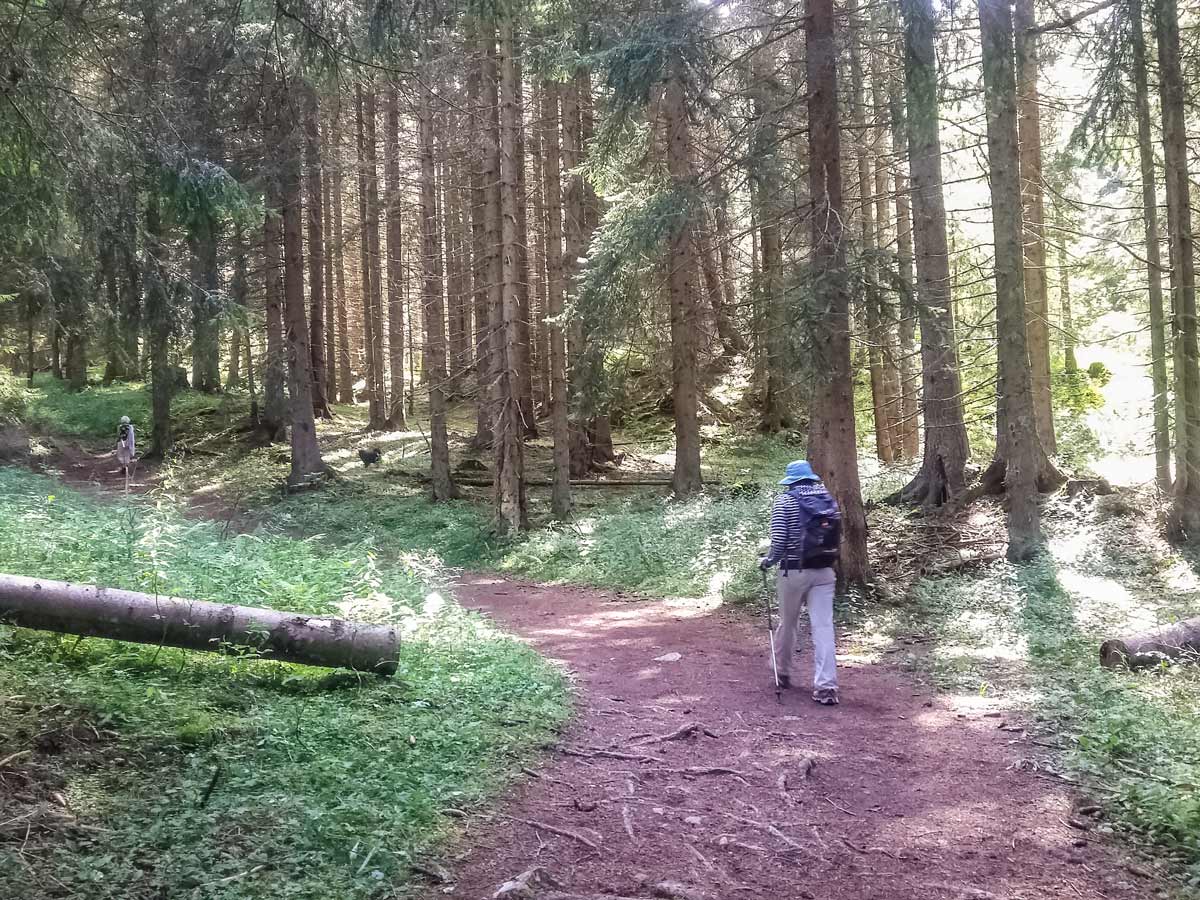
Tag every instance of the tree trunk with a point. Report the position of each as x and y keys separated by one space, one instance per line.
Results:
x=511 y=514
x=90 y=611
x=131 y=301
x=1158 y=332
x=331 y=330
x=1153 y=648
x=1017 y=438
x=682 y=286
x=942 y=474
x=239 y=290
x=455 y=283
x=108 y=279
x=872 y=299
x=1029 y=135
x=206 y=335
x=560 y=500
x=306 y=452
x=379 y=395
x=158 y=323
x=1070 y=363
x=764 y=190
x=909 y=425
x=316 y=252
x=395 y=260
x=1184 y=519
x=366 y=268
x=345 y=376
x=524 y=363
x=833 y=448
x=481 y=246
x=275 y=374
x=434 y=312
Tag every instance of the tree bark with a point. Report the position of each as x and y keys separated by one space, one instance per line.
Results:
x=909 y=425
x=345 y=377
x=1184 y=519
x=1070 y=364
x=316 y=251
x=90 y=611
x=872 y=299
x=275 y=375
x=206 y=335
x=456 y=279
x=942 y=474
x=378 y=407
x=1037 y=304
x=306 y=452
x=524 y=365
x=560 y=500
x=682 y=286
x=765 y=187
x=433 y=307
x=238 y=290
x=1017 y=438
x=367 y=271
x=331 y=329
x=1158 y=331
x=481 y=242
x=395 y=260
x=833 y=449
x=511 y=512
x=158 y=322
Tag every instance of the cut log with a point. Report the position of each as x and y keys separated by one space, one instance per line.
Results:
x=91 y=611
x=1139 y=651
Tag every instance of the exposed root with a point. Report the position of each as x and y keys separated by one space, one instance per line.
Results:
x=609 y=754
x=561 y=832
x=679 y=734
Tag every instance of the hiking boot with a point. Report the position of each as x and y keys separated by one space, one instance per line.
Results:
x=826 y=696
x=785 y=682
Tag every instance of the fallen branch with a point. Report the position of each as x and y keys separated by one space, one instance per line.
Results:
x=13 y=757
x=627 y=818
x=969 y=892
x=609 y=754
x=697 y=771
x=679 y=734
x=561 y=832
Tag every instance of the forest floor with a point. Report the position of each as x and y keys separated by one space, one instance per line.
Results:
x=682 y=776
x=681 y=768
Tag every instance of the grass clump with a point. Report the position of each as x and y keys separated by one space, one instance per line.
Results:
x=186 y=769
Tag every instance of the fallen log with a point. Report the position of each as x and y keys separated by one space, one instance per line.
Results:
x=91 y=611
x=1150 y=648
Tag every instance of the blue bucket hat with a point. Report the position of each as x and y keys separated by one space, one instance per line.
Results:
x=799 y=470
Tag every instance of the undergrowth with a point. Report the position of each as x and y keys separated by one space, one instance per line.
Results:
x=1029 y=637
x=197 y=774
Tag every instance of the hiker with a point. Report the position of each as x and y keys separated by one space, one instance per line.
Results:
x=806 y=530
x=126 y=445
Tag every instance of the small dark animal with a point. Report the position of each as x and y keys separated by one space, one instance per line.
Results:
x=371 y=456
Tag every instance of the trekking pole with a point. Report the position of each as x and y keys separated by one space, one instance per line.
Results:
x=771 y=637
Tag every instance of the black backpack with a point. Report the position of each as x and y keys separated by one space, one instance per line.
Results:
x=123 y=433
x=822 y=539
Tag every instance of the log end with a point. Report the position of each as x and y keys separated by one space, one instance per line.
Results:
x=1114 y=654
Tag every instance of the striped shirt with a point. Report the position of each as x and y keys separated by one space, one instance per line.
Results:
x=788 y=519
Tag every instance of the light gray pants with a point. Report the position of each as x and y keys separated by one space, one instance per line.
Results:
x=814 y=586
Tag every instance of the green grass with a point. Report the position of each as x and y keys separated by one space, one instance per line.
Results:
x=94 y=412
x=322 y=788
x=1029 y=637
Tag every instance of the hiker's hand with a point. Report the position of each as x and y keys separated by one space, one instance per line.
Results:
x=764 y=564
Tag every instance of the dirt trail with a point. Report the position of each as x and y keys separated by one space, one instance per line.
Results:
x=908 y=798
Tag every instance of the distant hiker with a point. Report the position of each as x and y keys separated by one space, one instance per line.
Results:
x=126 y=444
x=806 y=531
x=370 y=456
